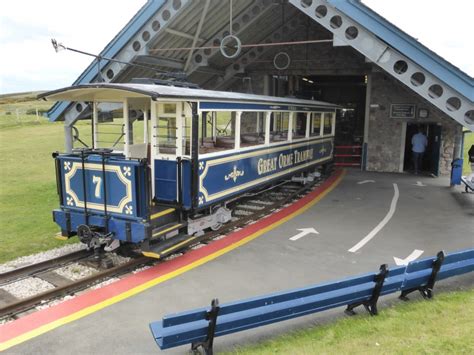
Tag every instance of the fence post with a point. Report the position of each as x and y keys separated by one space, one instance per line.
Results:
x=427 y=290
x=211 y=330
x=371 y=304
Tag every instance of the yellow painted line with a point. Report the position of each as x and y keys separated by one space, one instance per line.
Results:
x=168 y=229
x=178 y=245
x=162 y=213
x=115 y=299
x=150 y=254
x=60 y=237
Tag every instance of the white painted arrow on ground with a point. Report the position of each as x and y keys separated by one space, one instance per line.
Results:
x=419 y=183
x=304 y=231
x=414 y=255
x=365 y=182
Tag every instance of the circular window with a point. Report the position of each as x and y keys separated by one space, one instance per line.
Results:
x=216 y=42
x=417 y=79
x=110 y=74
x=277 y=36
x=245 y=18
x=230 y=46
x=435 y=91
x=400 y=67
x=453 y=104
x=236 y=27
x=469 y=117
x=146 y=36
x=225 y=33
x=207 y=51
x=198 y=58
x=321 y=11
x=306 y=3
x=336 y=21
x=351 y=32
x=259 y=49
x=155 y=25
x=245 y=61
x=281 y=61
x=236 y=67
x=166 y=15
x=136 y=46
x=252 y=55
x=78 y=107
x=255 y=10
x=176 y=4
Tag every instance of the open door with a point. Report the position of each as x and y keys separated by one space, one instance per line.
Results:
x=434 y=149
x=167 y=132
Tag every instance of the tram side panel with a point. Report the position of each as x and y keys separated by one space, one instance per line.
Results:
x=225 y=176
x=112 y=196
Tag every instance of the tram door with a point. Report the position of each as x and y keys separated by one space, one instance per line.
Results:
x=167 y=147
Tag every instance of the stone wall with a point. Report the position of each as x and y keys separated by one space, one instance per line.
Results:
x=385 y=133
x=385 y=139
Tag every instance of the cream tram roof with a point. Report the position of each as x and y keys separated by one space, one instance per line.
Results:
x=119 y=92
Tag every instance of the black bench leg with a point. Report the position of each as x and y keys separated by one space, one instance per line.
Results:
x=427 y=290
x=371 y=304
x=211 y=330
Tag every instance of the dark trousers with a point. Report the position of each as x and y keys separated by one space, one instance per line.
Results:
x=417 y=161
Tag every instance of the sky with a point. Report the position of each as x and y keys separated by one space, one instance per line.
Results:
x=29 y=62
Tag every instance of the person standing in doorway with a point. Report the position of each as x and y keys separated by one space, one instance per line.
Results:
x=470 y=177
x=418 y=147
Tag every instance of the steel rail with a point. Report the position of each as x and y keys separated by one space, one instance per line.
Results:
x=27 y=271
x=27 y=303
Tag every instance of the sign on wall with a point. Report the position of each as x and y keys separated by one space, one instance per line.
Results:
x=402 y=111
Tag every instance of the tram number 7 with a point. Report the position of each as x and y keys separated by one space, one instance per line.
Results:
x=97 y=180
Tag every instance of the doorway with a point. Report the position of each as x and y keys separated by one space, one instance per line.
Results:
x=430 y=162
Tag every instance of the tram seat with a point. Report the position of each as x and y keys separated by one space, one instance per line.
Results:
x=138 y=151
x=278 y=136
x=252 y=138
x=227 y=142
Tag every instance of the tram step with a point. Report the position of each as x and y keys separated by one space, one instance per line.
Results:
x=162 y=215
x=167 y=228
x=162 y=249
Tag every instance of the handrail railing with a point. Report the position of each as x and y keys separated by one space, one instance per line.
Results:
x=199 y=327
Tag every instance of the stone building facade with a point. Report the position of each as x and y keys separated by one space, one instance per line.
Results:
x=385 y=136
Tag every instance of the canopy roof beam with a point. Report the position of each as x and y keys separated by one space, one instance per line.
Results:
x=402 y=68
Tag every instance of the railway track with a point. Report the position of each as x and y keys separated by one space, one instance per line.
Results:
x=246 y=210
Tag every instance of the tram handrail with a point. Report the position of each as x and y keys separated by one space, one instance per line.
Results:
x=199 y=326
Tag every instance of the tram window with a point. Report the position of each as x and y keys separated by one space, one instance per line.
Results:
x=187 y=125
x=166 y=129
x=328 y=118
x=299 y=125
x=138 y=147
x=110 y=129
x=216 y=131
x=315 y=124
x=279 y=126
x=252 y=129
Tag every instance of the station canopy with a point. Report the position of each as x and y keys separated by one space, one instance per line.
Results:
x=182 y=38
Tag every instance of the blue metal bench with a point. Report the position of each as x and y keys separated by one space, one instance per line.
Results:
x=199 y=327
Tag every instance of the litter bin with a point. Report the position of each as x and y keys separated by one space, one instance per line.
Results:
x=456 y=172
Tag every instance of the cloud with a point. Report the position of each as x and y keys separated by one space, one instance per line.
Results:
x=29 y=61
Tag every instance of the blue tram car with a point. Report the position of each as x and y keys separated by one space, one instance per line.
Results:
x=160 y=163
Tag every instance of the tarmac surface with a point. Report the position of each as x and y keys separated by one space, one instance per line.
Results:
x=426 y=215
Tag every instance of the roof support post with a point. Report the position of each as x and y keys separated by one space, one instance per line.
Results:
x=126 y=122
x=198 y=32
x=68 y=144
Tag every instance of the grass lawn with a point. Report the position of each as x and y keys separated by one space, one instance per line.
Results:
x=28 y=183
x=442 y=325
